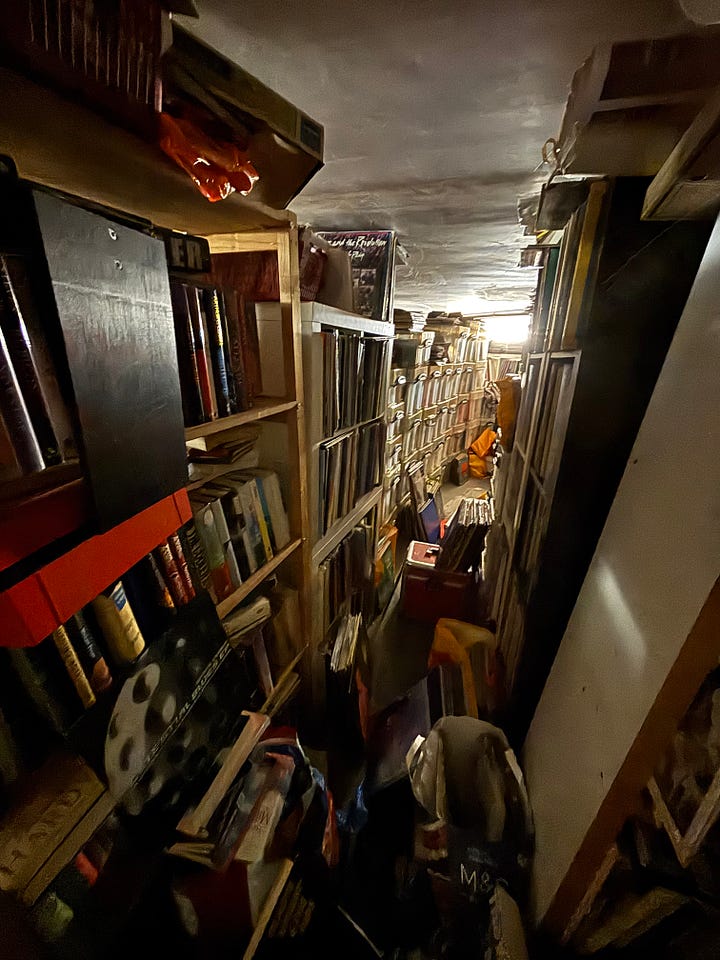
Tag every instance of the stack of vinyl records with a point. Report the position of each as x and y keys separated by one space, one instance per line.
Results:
x=411 y=321
x=464 y=539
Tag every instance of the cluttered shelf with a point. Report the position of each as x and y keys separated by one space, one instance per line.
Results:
x=237 y=596
x=60 y=144
x=263 y=409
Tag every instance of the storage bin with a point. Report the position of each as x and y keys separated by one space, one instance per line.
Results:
x=461 y=345
x=432 y=386
x=462 y=411
x=411 y=437
x=414 y=392
x=429 y=594
x=393 y=454
x=398 y=386
x=394 y=423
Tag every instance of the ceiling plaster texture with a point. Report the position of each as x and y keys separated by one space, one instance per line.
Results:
x=434 y=115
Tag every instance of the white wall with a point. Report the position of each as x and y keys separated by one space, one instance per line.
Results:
x=656 y=561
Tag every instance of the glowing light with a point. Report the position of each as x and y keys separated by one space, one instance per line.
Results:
x=512 y=328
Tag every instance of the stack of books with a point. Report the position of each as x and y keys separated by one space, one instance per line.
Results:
x=408 y=321
x=35 y=426
x=242 y=523
x=218 y=351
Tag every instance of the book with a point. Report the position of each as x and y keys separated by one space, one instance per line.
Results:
x=171 y=574
x=271 y=495
x=73 y=666
x=251 y=348
x=118 y=624
x=16 y=419
x=223 y=511
x=19 y=270
x=201 y=352
x=235 y=349
x=190 y=390
x=10 y=467
x=160 y=588
x=252 y=534
x=216 y=349
x=182 y=565
x=22 y=356
x=195 y=556
x=214 y=552
x=222 y=310
x=91 y=658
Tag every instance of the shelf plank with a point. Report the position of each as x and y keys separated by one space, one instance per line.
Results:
x=262 y=409
x=319 y=315
x=340 y=529
x=245 y=589
x=33 y=608
x=63 y=145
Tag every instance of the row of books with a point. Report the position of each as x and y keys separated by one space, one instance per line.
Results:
x=35 y=426
x=218 y=351
x=350 y=466
x=242 y=523
x=353 y=374
x=51 y=685
x=344 y=578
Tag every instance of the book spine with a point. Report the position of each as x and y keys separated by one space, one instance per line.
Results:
x=217 y=351
x=196 y=555
x=271 y=483
x=91 y=659
x=252 y=525
x=172 y=574
x=205 y=325
x=223 y=531
x=260 y=514
x=15 y=415
x=219 y=573
x=235 y=350
x=21 y=353
x=222 y=313
x=187 y=356
x=244 y=534
x=201 y=354
x=73 y=666
x=182 y=565
x=250 y=349
x=162 y=592
x=36 y=326
x=260 y=486
x=118 y=624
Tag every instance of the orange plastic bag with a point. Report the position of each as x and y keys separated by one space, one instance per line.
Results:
x=509 y=388
x=216 y=167
x=479 y=450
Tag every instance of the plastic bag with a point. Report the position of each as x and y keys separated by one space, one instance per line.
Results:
x=466 y=777
x=216 y=167
x=507 y=409
x=479 y=450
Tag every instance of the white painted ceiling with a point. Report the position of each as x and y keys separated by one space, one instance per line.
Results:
x=434 y=114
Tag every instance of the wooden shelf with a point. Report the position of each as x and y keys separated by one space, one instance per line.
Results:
x=320 y=315
x=262 y=409
x=340 y=529
x=245 y=589
x=33 y=608
x=63 y=145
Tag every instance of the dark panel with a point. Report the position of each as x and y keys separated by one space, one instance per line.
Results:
x=113 y=300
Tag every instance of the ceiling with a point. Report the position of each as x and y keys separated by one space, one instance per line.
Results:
x=434 y=113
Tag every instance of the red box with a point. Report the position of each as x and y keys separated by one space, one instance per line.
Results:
x=429 y=595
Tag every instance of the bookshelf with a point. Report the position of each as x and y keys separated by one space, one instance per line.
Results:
x=605 y=311
x=327 y=332
x=67 y=148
